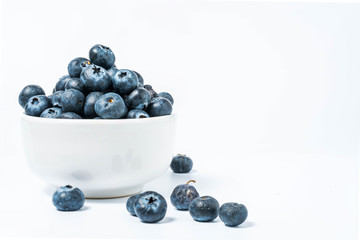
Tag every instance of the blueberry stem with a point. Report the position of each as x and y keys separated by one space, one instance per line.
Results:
x=190 y=182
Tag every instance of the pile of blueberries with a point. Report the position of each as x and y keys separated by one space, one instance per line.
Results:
x=97 y=89
x=151 y=206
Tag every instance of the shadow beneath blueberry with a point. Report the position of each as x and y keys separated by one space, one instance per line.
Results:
x=246 y=224
x=163 y=221
x=214 y=221
x=84 y=208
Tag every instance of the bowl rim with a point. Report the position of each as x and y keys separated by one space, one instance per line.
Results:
x=84 y=121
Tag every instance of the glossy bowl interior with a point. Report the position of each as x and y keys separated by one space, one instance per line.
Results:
x=104 y=158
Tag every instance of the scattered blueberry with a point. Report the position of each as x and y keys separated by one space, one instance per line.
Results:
x=150 y=207
x=233 y=214
x=95 y=78
x=68 y=198
x=60 y=85
x=36 y=105
x=138 y=99
x=72 y=100
x=159 y=106
x=153 y=94
x=140 y=78
x=89 y=106
x=136 y=113
x=124 y=81
x=74 y=67
x=56 y=98
x=102 y=56
x=75 y=83
x=181 y=164
x=53 y=112
x=130 y=204
x=167 y=96
x=204 y=209
x=182 y=196
x=28 y=92
x=110 y=105
x=70 y=115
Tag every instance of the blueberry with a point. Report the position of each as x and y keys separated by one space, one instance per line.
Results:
x=153 y=94
x=182 y=196
x=97 y=118
x=140 y=78
x=181 y=164
x=28 y=92
x=72 y=100
x=233 y=214
x=89 y=106
x=167 y=96
x=60 y=85
x=36 y=105
x=53 y=91
x=74 y=67
x=53 y=112
x=136 y=113
x=124 y=81
x=111 y=71
x=95 y=78
x=130 y=204
x=68 y=198
x=159 y=106
x=75 y=83
x=85 y=65
x=56 y=99
x=69 y=115
x=138 y=99
x=110 y=105
x=150 y=207
x=204 y=209
x=102 y=56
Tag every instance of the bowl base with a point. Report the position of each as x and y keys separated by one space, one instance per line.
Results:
x=112 y=193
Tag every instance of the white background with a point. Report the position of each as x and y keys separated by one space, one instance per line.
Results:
x=267 y=96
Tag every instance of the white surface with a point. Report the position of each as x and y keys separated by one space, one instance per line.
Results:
x=267 y=96
x=105 y=158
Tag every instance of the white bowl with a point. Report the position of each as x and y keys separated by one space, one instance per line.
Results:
x=104 y=158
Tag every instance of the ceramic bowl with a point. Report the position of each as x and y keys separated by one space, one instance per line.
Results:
x=104 y=158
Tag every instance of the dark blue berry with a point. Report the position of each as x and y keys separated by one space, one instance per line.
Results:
x=124 y=81
x=89 y=106
x=152 y=92
x=72 y=100
x=233 y=214
x=68 y=198
x=60 y=85
x=182 y=196
x=136 y=113
x=28 y=92
x=56 y=99
x=150 y=207
x=110 y=105
x=102 y=56
x=111 y=71
x=159 y=106
x=74 y=67
x=181 y=164
x=140 y=78
x=85 y=65
x=138 y=99
x=69 y=115
x=167 y=96
x=36 y=105
x=75 y=83
x=204 y=209
x=53 y=112
x=95 y=78
x=130 y=204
